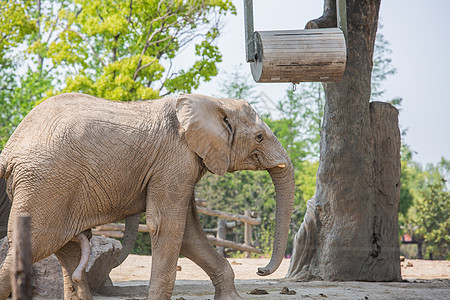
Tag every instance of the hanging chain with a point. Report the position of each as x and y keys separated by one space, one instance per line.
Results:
x=294 y=86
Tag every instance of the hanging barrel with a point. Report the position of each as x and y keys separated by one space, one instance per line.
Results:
x=310 y=55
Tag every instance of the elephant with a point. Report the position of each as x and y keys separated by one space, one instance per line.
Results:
x=78 y=161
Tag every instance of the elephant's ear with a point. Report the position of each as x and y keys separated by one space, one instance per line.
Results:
x=207 y=130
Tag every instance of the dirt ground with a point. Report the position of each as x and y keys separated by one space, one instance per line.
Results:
x=422 y=279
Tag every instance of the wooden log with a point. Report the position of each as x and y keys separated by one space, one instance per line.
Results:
x=230 y=226
x=310 y=55
x=200 y=202
x=119 y=227
x=108 y=233
x=21 y=270
x=229 y=216
x=236 y=246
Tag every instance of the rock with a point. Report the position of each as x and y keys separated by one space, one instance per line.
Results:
x=286 y=291
x=104 y=255
x=48 y=280
x=47 y=274
x=258 y=292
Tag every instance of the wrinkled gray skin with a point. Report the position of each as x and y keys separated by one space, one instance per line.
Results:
x=130 y=234
x=131 y=224
x=77 y=161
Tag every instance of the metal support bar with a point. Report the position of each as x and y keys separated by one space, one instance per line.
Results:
x=249 y=40
x=341 y=10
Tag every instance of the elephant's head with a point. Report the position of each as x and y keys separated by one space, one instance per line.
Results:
x=229 y=136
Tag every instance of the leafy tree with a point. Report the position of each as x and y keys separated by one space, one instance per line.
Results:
x=17 y=91
x=121 y=50
x=433 y=218
x=124 y=50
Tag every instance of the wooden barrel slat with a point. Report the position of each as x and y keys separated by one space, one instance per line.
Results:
x=299 y=55
x=312 y=38
x=304 y=32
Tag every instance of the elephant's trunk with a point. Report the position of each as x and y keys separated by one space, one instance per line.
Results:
x=284 y=181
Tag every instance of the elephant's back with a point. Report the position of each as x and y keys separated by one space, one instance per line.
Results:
x=75 y=128
x=59 y=117
x=78 y=140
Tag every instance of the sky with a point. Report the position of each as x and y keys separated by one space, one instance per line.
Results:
x=419 y=37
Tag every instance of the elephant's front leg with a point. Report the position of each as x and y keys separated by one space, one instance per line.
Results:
x=197 y=248
x=166 y=218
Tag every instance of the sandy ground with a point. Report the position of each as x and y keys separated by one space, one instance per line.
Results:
x=421 y=280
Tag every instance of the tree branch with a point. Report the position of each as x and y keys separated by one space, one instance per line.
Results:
x=328 y=19
x=89 y=44
x=131 y=10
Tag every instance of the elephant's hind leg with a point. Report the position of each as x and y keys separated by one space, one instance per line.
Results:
x=69 y=257
x=5 y=279
x=197 y=248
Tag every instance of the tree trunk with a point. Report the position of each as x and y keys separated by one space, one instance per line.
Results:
x=351 y=225
x=5 y=207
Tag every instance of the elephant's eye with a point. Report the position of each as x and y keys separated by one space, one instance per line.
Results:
x=259 y=138
x=225 y=120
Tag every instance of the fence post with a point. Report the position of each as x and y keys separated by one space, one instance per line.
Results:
x=21 y=269
x=221 y=234
x=248 y=234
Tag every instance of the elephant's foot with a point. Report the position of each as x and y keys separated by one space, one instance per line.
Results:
x=5 y=278
x=76 y=291
x=160 y=289
x=224 y=285
x=232 y=295
x=197 y=248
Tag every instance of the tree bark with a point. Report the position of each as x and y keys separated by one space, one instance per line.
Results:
x=21 y=272
x=350 y=228
x=5 y=207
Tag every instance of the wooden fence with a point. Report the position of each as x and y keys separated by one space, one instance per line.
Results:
x=116 y=230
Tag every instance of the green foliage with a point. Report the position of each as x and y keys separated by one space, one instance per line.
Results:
x=433 y=219
x=122 y=50
x=17 y=93
x=119 y=50
x=427 y=217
